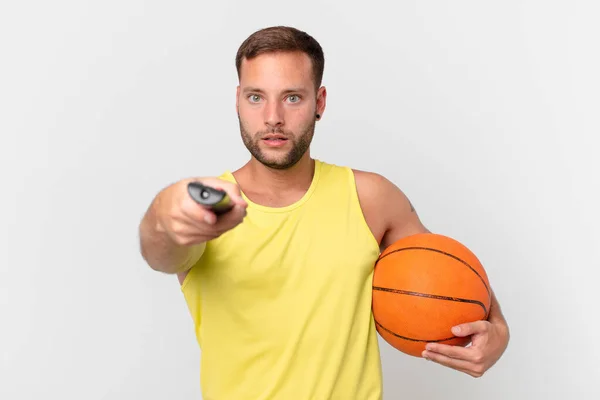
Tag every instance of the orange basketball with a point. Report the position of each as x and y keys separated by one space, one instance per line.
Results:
x=423 y=285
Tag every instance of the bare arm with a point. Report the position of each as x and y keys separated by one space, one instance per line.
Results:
x=496 y=317
x=392 y=215
x=389 y=213
x=175 y=229
x=160 y=251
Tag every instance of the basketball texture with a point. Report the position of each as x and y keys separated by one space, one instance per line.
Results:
x=423 y=285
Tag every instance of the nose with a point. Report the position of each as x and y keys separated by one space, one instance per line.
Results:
x=274 y=114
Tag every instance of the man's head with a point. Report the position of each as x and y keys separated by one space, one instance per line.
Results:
x=279 y=97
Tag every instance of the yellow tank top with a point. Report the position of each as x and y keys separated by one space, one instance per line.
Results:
x=282 y=303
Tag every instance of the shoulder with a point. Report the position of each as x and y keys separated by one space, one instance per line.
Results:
x=378 y=191
x=372 y=181
x=386 y=207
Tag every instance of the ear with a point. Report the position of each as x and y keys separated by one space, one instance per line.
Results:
x=237 y=100
x=321 y=101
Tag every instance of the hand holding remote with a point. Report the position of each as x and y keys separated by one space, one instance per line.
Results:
x=194 y=211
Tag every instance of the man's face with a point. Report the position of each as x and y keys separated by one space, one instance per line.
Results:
x=277 y=104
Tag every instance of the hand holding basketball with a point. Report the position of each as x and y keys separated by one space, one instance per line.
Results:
x=488 y=342
x=431 y=297
x=423 y=285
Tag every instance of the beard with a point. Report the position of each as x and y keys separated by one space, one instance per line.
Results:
x=300 y=144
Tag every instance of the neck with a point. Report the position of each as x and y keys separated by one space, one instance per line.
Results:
x=298 y=176
x=256 y=178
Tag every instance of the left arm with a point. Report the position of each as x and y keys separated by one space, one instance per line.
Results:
x=389 y=209
x=389 y=213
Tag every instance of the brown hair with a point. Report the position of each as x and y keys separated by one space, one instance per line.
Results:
x=282 y=39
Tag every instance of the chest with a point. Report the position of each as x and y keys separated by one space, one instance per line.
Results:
x=294 y=253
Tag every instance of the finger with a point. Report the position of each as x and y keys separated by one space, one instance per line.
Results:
x=198 y=215
x=233 y=217
x=230 y=218
x=182 y=229
x=456 y=352
x=446 y=361
x=209 y=217
x=463 y=370
x=470 y=328
x=201 y=218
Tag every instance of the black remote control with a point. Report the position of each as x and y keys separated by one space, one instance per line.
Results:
x=218 y=201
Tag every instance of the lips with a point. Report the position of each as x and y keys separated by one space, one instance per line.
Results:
x=274 y=140
x=274 y=136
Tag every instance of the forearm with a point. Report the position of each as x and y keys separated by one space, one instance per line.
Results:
x=161 y=252
x=495 y=316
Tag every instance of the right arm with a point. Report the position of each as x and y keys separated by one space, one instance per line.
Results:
x=174 y=230
x=161 y=252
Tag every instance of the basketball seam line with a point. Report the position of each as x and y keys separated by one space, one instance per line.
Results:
x=441 y=252
x=432 y=296
x=409 y=338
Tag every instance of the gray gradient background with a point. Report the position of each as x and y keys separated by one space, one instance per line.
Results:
x=484 y=113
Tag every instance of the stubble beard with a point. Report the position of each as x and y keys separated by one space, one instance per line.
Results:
x=300 y=144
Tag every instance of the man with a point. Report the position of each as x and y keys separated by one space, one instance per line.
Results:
x=279 y=288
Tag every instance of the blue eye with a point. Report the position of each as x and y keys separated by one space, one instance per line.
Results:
x=254 y=98
x=294 y=98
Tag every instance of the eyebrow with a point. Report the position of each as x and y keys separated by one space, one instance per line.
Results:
x=286 y=91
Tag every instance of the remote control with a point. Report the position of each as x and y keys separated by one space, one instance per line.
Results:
x=216 y=200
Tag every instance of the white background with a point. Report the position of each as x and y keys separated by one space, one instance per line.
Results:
x=485 y=113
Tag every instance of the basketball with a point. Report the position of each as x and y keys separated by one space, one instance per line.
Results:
x=423 y=285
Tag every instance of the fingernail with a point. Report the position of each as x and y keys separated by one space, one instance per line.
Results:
x=424 y=354
x=207 y=219
x=429 y=346
x=456 y=330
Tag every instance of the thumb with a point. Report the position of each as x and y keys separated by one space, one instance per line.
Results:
x=469 y=328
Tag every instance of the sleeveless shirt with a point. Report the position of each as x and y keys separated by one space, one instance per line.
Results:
x=281 y=304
